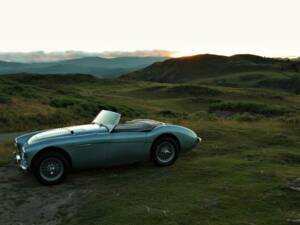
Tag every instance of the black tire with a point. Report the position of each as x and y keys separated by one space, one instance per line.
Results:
x=171 y=147
x=51 y=168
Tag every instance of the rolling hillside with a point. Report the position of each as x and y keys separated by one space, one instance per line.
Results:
x=239 y=174
x=208 y=67
x=97 y=66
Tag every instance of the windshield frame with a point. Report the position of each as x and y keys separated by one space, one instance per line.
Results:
x=107 y=118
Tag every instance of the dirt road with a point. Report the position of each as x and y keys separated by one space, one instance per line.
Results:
x=23 y=201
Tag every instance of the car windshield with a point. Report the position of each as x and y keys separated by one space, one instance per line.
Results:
x=108 y=118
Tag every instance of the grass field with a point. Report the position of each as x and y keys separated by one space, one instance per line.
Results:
x=238 y=175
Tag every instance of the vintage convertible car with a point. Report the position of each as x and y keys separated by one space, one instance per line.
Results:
x=50 y=154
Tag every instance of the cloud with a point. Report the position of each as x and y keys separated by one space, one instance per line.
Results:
x=41 y=56
x=140 y=53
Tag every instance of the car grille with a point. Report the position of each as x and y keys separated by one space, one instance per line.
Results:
x=19 y=147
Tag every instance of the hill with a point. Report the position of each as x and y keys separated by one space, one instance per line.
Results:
x=207 y=67
x=239 y=174
x=104 y=67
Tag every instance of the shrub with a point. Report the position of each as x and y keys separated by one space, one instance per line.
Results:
x=4 y=99
x=172 y=114
x=246 y=117
x=21 y=90
x=10 y=120
x=292 y=158
x=279 y=139
x=251 y=77
x=130 y=113
x=88 y=108
x=291 y=84
x=63 y=102
x=204 y=115
x=292 y=121
x=68 y=91
x=250 y=107
x=193 y=90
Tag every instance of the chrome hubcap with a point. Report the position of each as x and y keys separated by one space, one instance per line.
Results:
x=165 y=152
x=51 y=169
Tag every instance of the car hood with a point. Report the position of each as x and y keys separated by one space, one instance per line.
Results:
x=66 y=131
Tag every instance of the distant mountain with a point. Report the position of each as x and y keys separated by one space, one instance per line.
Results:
x=104 y=67
x=187 y=69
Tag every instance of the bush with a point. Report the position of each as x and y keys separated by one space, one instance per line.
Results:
x=250 y=107
x=204 y=115
x=290 y=84
x=193 y=90
x=172 y=114
x=292 y=121
x=5 y=99
x=90 y=108
x=292 y=158
x=130 y=113
x=246 y=117
x=20 y=90
x=251 y=77
x=72 y=92
x=63 y=102
x=10 y=120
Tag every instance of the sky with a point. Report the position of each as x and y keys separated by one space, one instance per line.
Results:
x=182 y=27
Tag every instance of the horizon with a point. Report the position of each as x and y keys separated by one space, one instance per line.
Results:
x=43 y=56
x=267 y=28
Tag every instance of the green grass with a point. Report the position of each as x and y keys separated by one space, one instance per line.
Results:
x=229 y=179
x=249 y=107
x=238 y=175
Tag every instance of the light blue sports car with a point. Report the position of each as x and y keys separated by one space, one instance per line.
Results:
x=51 y=154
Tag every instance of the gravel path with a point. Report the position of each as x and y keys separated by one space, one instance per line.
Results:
x=23 y=201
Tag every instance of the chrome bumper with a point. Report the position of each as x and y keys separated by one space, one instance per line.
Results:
x=22 y=164
x=198 y=140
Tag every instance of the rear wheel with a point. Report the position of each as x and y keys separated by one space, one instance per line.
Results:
x=51 y=168
x=165 y=151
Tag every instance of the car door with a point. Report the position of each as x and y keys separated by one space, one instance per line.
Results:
x=91 y=150
x=126 y=147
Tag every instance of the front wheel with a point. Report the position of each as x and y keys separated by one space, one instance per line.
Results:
x=51 y=168
x=165 y=151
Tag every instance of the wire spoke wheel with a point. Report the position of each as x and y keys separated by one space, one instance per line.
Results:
x=165 y=152
x=51 y=169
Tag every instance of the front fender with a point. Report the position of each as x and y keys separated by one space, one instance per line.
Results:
x=22 y=139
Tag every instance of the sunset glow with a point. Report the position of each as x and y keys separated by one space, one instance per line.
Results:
x=184 y=53
x=263 y=27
